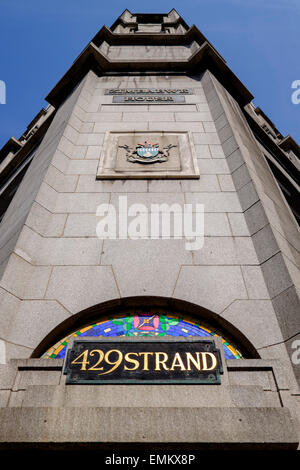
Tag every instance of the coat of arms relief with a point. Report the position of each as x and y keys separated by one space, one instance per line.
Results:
x=147 y=153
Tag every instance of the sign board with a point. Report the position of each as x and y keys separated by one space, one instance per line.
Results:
x=121 y=361
x=148 y=95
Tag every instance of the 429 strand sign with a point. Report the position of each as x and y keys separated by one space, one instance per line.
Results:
x=134 y=361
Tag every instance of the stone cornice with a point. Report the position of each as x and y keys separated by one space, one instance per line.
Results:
x=205 y=57
x=277 y=150
x=12 y=145
x=288 y=143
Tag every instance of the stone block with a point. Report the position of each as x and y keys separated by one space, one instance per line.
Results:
x=71 y=134
x=216 y=225
x=60 y=161
x=95 y=138
x=164 y=396
x=209 y=127
x=47 y=197
x=221 y=121
x=93 y=152
x=4 y=398
x=270 y=427
x=256 y=217
x=102 y=127
x=196 y=99
x=287 y=248
x=276 y=275
x=238 y=225
x=235 y=160
x=191 y=117
x=230 y=146
x=183 y=126
x=32 y=378
x=147 y=199
x=287 y=308
x=88 y=184
x=75 y=122
x=253 y=377
x=154 y=264
x=16 y=351
x=248 y=196
x=212 y=166
x=60 y=182
x=226 y=183
x=226 y=251
x=215 y=202
x=256 y=319
x=8 y=375
x=196 y=283
x=202 y=151
x=164 y=186
x=108 y=117
x=253 y=395
x=225 y=133
x=216 y=151
x=44 y=222
x=255 y=283
x=173 y=108
x=80 y=202
x=70 y=284
x=33 y=321
x=80 y=113
x=82 y=225
x=82 y=167
x=58 y=251
x=148 y=117
x=241 y=176
x=205 y=138
x=131 y=108
x=206 y=183
x=86 y=127
x=24 y=280
x=265 y=243
x=215 y=107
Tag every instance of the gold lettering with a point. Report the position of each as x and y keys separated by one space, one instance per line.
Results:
x=213 y=360
x=177 y=362
x=146 y=354
x=132 y=361
x=190 y=359
x=159 y=361
x=84 y=361
x=101 y=357
x=115 y=364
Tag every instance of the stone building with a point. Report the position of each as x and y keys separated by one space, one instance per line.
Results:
x=150 y=114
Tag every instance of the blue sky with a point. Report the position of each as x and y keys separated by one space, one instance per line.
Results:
x=259 y=39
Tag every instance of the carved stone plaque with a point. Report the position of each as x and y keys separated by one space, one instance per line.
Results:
x=134 y=155
x=131 y=149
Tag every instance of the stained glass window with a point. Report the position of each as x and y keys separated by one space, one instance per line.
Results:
x=142 y=324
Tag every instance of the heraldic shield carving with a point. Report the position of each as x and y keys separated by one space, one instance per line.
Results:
x=147 y=153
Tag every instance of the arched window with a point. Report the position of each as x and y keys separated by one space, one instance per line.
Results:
x=142 y=323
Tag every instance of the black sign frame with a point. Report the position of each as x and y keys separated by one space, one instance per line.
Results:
x=77 y=347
